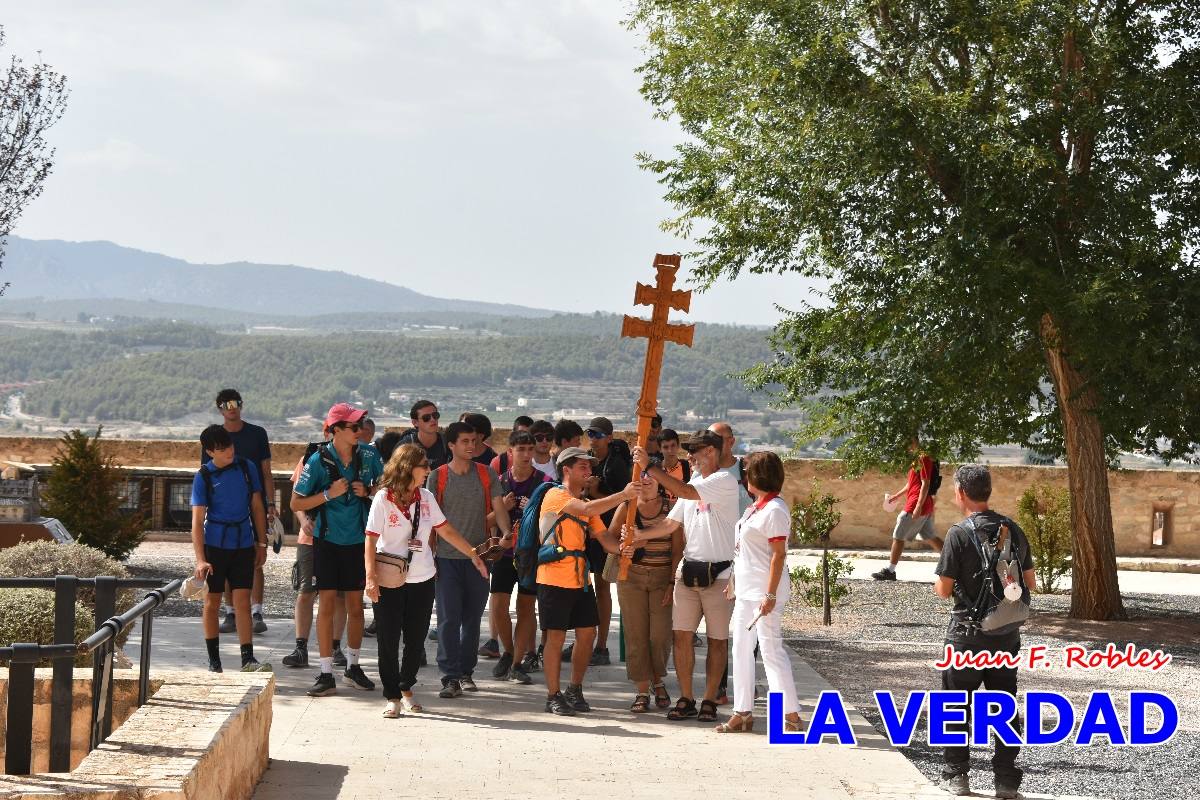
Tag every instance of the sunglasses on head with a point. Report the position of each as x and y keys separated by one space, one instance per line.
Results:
x=229 y=405
x=430 y=416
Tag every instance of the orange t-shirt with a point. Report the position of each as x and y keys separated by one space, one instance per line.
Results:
x=569 y=572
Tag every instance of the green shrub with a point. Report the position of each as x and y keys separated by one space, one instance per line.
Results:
x=806 y=582
x=27 y=616
x=1045 y=513
x=83 y=493
x=813 y=521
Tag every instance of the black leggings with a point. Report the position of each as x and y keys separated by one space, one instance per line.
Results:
x=402 y=613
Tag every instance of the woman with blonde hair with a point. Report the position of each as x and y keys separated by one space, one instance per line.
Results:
x=403 y=524
x=761 y=591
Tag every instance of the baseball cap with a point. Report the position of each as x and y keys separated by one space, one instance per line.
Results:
x=343 y=412
x=601 y=425
x=568 y=453
x=702 y=439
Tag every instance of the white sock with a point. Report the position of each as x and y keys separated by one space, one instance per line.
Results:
x=351 y=656
x=256 y=608
x=327 y=665
x=892 y=566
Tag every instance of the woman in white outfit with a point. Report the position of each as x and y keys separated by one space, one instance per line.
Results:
x=761 y=592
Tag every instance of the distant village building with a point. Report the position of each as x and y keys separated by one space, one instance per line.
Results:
x=19 y=500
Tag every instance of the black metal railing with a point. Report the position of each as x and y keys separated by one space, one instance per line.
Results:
x=23 y=658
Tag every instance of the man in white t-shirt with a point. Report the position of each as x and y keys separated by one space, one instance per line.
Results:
x=543 y=439
x=707 y=510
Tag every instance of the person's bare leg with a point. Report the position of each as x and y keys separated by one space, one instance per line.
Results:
x=500 y=621
x=304 y=613
x=897 y=550
x=256 y=593
x=354 y=621
x=241 y=610
x=212 y=614
x=325 y=613
x=552 y=642
x=523 y=637
x=339 y=616
x=685 y=662
x=714 y=666
x=581 y=656
x=936 y=544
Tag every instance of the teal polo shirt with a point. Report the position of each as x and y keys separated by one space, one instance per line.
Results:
x=346 y=515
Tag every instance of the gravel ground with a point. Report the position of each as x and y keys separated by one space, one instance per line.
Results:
x=887 y=636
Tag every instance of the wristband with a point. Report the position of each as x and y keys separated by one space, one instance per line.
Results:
x=325 y=494
x=263 y=545
x=768 y=596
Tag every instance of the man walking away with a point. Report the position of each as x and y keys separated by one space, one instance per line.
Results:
x=923 y=482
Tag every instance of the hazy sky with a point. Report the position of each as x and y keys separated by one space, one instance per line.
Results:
x=473 y=148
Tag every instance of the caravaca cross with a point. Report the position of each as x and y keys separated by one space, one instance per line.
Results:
x=662 y=298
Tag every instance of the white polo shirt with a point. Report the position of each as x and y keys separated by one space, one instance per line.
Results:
x=390 y=530
x=762 y=524
x=708 y=523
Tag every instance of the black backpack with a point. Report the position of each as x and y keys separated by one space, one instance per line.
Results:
x=333 y=473
x=207 y=476
x=935 y=480
x=991 y=613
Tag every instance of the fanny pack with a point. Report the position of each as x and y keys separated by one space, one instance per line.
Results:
x=699 y=574
x=391 y=571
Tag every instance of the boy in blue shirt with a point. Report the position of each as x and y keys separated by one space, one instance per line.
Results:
x=335 y=488
x=229 y=537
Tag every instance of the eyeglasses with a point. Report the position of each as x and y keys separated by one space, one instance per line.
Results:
x=543 y=437
x=353 y=426
x=596 y=434
x=229 y=405
x=430 y=417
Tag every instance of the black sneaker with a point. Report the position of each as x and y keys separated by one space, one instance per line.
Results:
x=567 y=651
x=558 y=705
x=600 y=658
x=490 y=649
x=500 y=671
x=530 y=663
x=450 y=689
x=574 y=696
x=230 y=623
x=354 y=676
x=260 y=625
x=885 y=574
x=1006 y=790
x=959 y=785
x=370 y=629
x=296 y=658
x=214 y=665
x=324 y=685
x=467 y=684
x=519 y=675
x=339 y=658
x=432 y=634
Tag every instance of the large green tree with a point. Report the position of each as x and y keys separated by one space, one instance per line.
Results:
x=1003 y=197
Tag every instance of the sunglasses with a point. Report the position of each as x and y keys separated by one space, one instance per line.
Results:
x=543 y=437
x=229 y=405
x=430 y=417
x=596 y=434
x=353 y=426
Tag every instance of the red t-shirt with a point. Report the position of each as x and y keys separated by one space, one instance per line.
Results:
x=921 y=471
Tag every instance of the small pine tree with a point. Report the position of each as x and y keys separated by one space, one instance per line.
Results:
x=82 y=493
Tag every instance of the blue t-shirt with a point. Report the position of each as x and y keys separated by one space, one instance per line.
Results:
x=346 y=515
x=227 y=522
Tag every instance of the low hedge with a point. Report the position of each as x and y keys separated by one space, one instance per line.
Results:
x=27 y=617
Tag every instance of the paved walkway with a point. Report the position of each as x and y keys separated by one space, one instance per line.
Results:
x=500 y=743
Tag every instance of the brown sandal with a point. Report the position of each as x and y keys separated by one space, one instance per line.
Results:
x=738 y=722
x=661 y=698
x=641 y=704
x=708 y=711
x=791 y=725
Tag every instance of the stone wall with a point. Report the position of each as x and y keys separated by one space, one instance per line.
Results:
x=1136 y=494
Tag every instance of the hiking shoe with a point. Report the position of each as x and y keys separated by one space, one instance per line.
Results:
x=558 y=705
x=229 y=625
x=260 y=624
x=574 y=696
x=324 y=685
x=296 y=658
x=600 y=658
x=501 y=670
x=354 y=676
x=214 y=665
x=490 y=649
x=886 y=574
x=451 y=688
x=467 y=684
x=957 y=784
x=567 y=651
x=519 y=675
x=254 y=665
x=339 y=658
x=1006 y=790
x=370 y=629
x=530 y=663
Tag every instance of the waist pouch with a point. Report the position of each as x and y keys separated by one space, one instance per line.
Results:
x=391 y=571
x=699 y=574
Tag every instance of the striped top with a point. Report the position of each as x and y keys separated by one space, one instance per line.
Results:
x=656 y=552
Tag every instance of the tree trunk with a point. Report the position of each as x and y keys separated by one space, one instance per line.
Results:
x=1094 y=590
x=828 y=618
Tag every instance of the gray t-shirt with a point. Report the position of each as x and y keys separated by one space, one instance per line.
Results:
x=463 y=505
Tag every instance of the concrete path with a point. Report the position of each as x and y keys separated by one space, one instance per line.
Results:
x=500 y=743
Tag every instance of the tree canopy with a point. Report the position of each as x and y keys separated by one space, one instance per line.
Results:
x=1002 y=195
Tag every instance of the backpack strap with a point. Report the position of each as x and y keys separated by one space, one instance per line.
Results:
x=486 y=480
x=440 y=486
x=333 y=473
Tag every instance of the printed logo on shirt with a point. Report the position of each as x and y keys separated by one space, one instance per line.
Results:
x=393 y=518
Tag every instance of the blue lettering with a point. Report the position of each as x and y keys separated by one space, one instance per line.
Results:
x=900 y=728
x=830 y=719
x=775 y=732
x=1100 y=719
x=947 y=706
x=984 y=719
x=1035 y=702
x=1137 y=718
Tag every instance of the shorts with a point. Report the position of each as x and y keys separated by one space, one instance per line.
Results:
x=234 y=566
x=504 y=578
x=596 y=556
x=339 y=566
x=304 y=569
x=690 y=603
x=566 y=609
x=909 y=527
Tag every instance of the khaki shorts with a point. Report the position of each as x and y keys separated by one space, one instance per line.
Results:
x=689 y=604
x=909 y=527
x=303 y=571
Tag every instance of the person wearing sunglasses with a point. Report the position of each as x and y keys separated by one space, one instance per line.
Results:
x=425 y=432
x=543 y=440
x=251 y=443
x=340 y=502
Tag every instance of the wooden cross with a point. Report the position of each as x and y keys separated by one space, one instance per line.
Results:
x=662 y=297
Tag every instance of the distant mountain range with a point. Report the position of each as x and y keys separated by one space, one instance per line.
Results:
x=58 y=271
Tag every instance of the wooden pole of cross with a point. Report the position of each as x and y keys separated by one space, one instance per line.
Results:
x=662 y=298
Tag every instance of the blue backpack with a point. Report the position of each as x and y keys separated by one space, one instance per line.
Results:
x=532 y=549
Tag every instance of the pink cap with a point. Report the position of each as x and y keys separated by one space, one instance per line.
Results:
x=343 y=412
